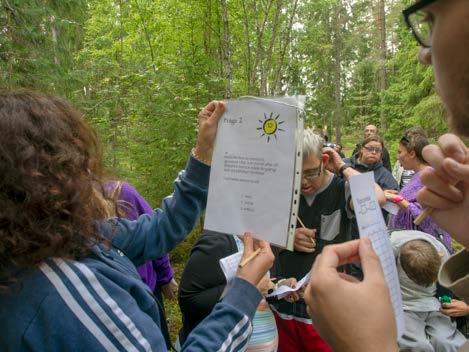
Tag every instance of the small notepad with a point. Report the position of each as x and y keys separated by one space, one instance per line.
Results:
x=371 y=224
x=229 y=265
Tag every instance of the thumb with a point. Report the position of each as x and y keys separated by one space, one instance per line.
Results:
x=371 y=264
x=248 y=244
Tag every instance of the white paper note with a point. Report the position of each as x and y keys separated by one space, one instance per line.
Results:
x=229 y=265
x=284 y=290
x=253 y=170
x=371 y=224
x=391 y=208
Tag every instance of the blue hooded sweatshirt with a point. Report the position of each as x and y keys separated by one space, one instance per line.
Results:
x=100 y=304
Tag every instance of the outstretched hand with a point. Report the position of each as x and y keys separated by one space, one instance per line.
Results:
x=207 y=125
x=447 y=186
x=340 y=305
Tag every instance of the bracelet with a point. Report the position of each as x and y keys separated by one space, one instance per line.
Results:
x=397 y=199
x=198 y=158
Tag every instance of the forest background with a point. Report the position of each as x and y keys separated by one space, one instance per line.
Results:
x=141 y=70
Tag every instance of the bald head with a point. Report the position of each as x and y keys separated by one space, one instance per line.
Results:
x=370 y=130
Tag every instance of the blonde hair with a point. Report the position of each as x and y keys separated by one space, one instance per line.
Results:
x=312 y=143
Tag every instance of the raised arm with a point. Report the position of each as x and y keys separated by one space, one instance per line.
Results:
x=338 y=166
x=152 y=236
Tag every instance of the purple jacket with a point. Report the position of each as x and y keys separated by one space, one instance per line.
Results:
x=405 y=217
x=156 y=272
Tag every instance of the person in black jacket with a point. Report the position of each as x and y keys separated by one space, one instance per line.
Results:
x=372 y=130
x=369 y=158
x=203 y=284
x=325 y=210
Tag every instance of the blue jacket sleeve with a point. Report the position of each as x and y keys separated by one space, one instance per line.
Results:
x=152 y=236
x=229 y=325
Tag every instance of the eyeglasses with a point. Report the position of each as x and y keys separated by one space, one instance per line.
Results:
x=419 y=22
x=312 y=173
x=373 y=149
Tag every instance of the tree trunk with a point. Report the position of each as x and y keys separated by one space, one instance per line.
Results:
x=277 y=80
x=337 y=50
x=248 y=48
x=226 y=51
x=381 y=24
x=54 y=39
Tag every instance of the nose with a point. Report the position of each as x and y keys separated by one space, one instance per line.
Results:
x=425 y=56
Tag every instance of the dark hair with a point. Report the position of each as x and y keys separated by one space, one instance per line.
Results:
x=415 y=143
x=50 y=168
x=412 y=131
x=420 y=261
x=373 y=138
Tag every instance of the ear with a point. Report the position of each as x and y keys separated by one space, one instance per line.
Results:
x=325 y=159
x=412 y=154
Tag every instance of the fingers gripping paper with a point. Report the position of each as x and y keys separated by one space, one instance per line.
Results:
x=256 y=168
x=371 y=224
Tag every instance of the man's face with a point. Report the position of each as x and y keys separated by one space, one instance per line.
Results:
x=312 y=177
x=450 y=58
x=370 y=130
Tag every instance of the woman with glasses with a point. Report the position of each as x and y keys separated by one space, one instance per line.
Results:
x=369 y=159
x=410 y=156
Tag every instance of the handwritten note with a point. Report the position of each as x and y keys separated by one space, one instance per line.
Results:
x=371 y=224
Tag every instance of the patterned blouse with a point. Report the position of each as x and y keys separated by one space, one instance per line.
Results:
x=405 y=217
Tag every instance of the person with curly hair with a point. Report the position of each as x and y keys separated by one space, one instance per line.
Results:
x=67 y=276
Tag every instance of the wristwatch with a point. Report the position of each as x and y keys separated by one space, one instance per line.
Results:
x=342 y=169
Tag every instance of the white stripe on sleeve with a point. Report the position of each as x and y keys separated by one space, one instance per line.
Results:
x=112 y=304
x=95 y=306
x=242 y=338
x=226 y=344
x=81 y=315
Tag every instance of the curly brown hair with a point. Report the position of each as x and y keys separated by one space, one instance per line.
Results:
x=50 y=167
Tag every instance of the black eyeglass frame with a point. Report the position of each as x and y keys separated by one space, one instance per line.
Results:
x=312 y=177
x=409 y=12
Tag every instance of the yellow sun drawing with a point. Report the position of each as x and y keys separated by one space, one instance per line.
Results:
x=270 y=126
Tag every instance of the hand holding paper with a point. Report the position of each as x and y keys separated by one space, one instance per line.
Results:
x=258 y=266
x=337 y=303
x=208 y=124
x=284 y=290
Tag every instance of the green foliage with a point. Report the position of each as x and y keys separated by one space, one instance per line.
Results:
x=141 y=70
